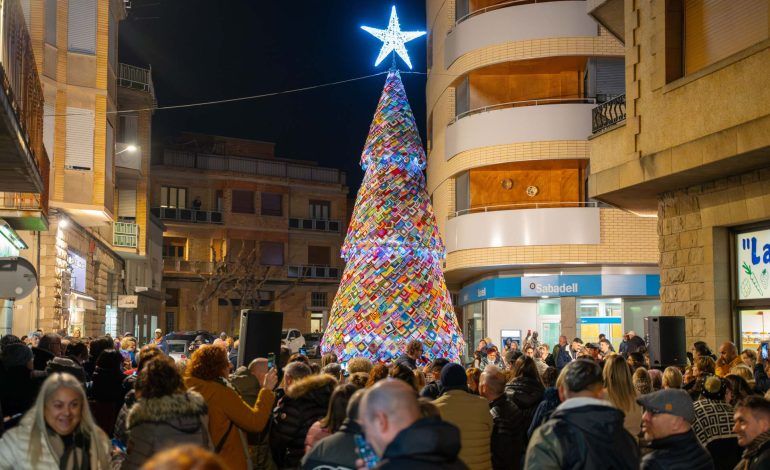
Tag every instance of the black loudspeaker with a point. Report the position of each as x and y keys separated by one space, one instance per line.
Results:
x=666 y=341
x=260 y=335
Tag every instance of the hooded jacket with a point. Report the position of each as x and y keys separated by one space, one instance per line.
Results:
x=677 y=452
x=526 y=393
x=507 y=434
x=305 y=402
x=428 y=444
x=583 y=433
x=337 y=451
x=155 y=424
x=470 y=413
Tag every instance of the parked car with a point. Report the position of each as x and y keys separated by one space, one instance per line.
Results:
x=292 y=339
x=180 y=344
x=313 y=344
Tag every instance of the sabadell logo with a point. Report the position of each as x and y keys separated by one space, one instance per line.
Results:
x=552 y=289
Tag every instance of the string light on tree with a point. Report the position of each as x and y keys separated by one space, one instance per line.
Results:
x=393 y=39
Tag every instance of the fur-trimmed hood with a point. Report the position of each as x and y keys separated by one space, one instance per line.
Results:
x=310 y=384
x=168 y=408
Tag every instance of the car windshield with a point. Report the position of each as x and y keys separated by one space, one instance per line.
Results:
x=176 y=348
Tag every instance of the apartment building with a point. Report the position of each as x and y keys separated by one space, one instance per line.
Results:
x=689 y=142
x=223 y=198
x=510 y=92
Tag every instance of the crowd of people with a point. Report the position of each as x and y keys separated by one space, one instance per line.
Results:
x=73 y=403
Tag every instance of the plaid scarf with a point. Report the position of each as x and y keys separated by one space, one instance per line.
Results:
x=753 y=449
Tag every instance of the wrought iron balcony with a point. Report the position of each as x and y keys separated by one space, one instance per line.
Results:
x=608 y=114
x=125 y=234
x=188 y=215
x=136 y=78
x=21 y=107
x=24 y=211
x=321 y=225
x=313 y=272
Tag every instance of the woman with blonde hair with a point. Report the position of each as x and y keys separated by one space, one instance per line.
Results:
x=619 y=384
x=57 y=432
x=672 y=377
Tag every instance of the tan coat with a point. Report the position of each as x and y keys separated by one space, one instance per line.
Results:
x=225 y=405
x=470 y=413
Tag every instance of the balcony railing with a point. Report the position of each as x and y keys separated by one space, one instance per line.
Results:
x=20 y=201
x=188 y=215
x=187 y=266
x=518 y=104
x=136 y=78
x=314 y=272
x=608 y=114
x=252 y=166
x=125 y=234
x=511 y=3
x=315 y=224
x=524 y=205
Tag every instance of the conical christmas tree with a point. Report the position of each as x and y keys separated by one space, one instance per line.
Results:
x=393 y=288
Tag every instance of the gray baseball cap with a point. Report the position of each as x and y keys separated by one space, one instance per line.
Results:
x=672 y=401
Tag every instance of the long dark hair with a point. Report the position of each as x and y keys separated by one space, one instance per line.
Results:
x=338 y=405
x=525 y=367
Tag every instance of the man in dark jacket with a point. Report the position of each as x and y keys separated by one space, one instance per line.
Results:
x=411 y=355
x=305 y=402
x=560 y=353
x=508 y=422
x=390 y=415
x=433 y=389
x=585 y=431
x=666 y=425
x=20 y=382
x=96 y=347
x=338 y=451
x=752 y=424
x=48 y=348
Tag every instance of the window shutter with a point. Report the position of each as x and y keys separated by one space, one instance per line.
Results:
x=128 y=129
x=81 y=29
x=715 y=29
x=127 y=203
x=610 y=78
x=50 y=21
x=49 y=121
x=80 y=139
x=25 y=11
x=243 y=201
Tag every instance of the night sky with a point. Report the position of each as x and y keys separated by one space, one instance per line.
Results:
x=203 y=50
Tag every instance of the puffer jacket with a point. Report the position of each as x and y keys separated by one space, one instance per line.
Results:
x=155 y=424
x=526 y=393
x=470 y=413
x=306 y=401
x=507 y=434
x=677 y=452
x=428 y=444
x=14 y=449
x=225 y=407
x=583 y=433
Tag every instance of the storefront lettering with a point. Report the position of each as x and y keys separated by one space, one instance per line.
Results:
x=554 y=289
x=751 y=244
x=752 y=265
x=481 y=292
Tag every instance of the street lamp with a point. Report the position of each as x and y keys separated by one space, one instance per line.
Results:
x=129 y=148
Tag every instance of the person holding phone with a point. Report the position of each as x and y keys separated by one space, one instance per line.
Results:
x=761 y=379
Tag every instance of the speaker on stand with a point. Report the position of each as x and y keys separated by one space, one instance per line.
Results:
x=666 y=341
x=260 y=335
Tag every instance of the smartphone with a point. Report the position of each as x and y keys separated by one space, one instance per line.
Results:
x=763 y=350
x=303 y=351
x=270 y=360
x=119 y=444
x=366 y=452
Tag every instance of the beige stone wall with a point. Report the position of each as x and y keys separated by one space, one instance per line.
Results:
x=695 y=249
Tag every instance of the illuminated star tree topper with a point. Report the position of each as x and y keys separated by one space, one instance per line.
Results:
x=393 y=39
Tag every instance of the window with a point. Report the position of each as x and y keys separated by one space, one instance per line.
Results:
x=128 y=125
x=80 y=139
x=320 y=210
x=462 y=192
x=272 y=204
x=240 y=248
x=174 y=247
x=319 y=255
x=219 y=200
x=318 y=299
x=81 y=28
x=174 y=198
x=271 y=253
x=50 y=22
x=243 y=201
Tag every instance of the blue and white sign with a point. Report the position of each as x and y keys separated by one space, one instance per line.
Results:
x=77 y=267
x=753 y=265
x=583 y=285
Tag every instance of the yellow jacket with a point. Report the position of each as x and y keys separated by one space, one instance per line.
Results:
x=470 y=413
x=723 y=370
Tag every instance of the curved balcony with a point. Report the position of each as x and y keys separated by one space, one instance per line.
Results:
x=514 y=21
x=521 y=121
x=532 y=224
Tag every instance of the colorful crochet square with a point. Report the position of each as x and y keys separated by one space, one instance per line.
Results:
x=393 y=288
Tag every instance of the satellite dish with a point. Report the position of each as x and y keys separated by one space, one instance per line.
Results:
x=17 y=278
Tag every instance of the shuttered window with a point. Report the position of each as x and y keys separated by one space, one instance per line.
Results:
x=715 y=29
x=462 y=97
x=272 y=204
x=50 y=21
x=243 y=201
x=49 y=121
x=128 y=129
x=81 y=29
x=271 y=253
x=127 y=203
x=319 y=255
x=610 y=78
x=80 y=139
x=25 y=11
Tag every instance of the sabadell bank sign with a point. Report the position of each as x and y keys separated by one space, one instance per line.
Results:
x=546 y=289
x=753 y=264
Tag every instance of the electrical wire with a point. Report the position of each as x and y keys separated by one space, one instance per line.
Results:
x=240 y=98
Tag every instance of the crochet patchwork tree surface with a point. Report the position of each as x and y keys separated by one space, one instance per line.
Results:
x=393 y=289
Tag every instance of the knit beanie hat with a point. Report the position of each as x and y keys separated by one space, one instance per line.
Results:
x=714 y=388
x=453 y=377
x=16 y=354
